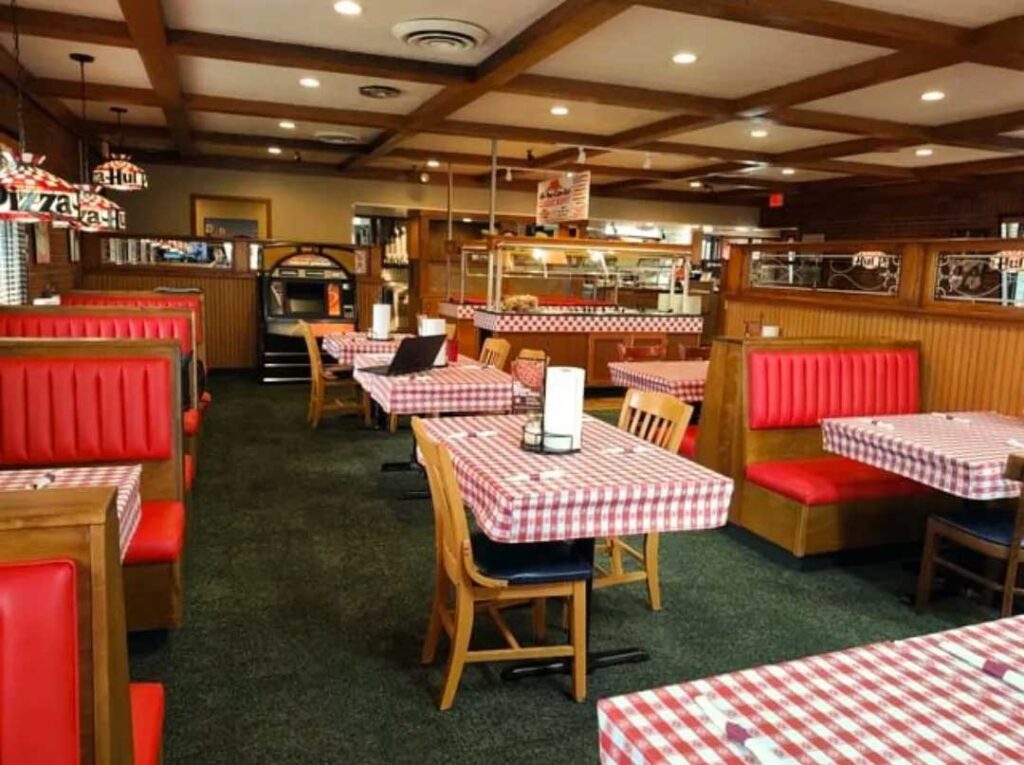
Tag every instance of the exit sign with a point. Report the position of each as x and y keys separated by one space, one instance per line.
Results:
x=777 y=199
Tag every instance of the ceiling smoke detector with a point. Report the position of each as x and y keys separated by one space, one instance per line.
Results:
x=379 y=91
x=336 y=137
x=440 y=35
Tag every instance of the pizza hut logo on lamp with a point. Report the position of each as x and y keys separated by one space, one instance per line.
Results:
x=29 y=194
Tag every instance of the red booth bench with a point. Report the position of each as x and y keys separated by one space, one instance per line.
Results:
x=64 y=687
x=81 y=402
x=769 y=441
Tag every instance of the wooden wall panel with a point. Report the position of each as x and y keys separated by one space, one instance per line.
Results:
x=968 y=364
x=232 y=309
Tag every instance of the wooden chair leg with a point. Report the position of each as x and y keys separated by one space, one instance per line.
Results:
x=437 y=604
x=318 y=410
x=651 y=565
x=367 y=410
x=1009 y=585
x=924 y=579
x=459 y=647
x=392 y=423
x=540 y=620
x=578 y=635
x=615 y=567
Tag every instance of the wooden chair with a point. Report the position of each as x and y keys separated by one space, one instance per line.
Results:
x=997 y=533
x=480 y=575
x=532 y=354
x=324 y=379
x=653 y=352
x=495 y=352
x=659 y=419
x=695 y=352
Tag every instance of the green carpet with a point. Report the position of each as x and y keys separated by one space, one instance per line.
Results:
x=307 y=588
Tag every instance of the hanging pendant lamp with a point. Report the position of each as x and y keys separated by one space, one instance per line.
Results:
x=96 y=212
x=28 y=193
x=119 y=172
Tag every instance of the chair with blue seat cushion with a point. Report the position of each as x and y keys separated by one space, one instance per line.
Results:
x=995 y=532
x=474 y=573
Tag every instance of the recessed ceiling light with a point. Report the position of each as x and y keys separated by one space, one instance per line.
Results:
x=433 y=163
x=286 y=125
x=273 y=149
x=788 y=171
x=684 y=58
x=309 y=82
x=758 y=133
x=348 y=7
x=924 y=152
x=467 y=220
x=933 y=95
x=696 y=185
x=560 y=111
x=379 y=91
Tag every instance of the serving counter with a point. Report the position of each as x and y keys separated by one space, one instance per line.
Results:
x=587 y=337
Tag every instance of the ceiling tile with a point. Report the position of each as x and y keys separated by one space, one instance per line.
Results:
x=287 y=157
x=735 y=59
x=314 y=22
x=49 y=58
x=100 y=9
x=736 y=135
x=268 y=83
x=99 y=111
x=967 y=13
x=262 y=126
x=941 y=155
x=535 y=112
x=972 y=90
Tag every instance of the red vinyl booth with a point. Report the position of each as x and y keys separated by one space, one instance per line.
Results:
x=118 y=323
x=92 y=402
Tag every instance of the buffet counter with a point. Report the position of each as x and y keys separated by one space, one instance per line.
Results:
x=587 y=337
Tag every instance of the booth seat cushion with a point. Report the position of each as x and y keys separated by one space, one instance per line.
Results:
x=190 y=422
x=147 y=722
x=829 y=480
x=530 y=563
x=188 y=465
x=688 y=447
x=160 y=536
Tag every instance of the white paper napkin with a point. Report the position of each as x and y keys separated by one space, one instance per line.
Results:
x=762 y=747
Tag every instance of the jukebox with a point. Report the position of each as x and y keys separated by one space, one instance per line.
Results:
x=310 y=283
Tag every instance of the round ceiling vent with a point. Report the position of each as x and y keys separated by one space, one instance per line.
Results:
x=336 y=137
x=441 y=35
x=379 y=91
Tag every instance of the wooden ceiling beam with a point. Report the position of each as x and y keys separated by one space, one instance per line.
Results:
x=275 y=110
x=117 y=94
x=65 y=26
x=55 y=107
x=607 y=94
x=145 y=22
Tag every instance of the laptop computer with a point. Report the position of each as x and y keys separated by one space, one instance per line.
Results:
x=415 y=354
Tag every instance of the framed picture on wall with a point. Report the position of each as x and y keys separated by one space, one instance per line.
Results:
x=231 y=217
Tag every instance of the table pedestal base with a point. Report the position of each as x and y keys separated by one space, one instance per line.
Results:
x=595 y=661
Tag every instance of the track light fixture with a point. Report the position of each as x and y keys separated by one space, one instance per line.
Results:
x=581 y=156
x=508 y=174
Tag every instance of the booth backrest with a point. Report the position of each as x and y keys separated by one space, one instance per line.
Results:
x=76 y=402
x=190 y=301
x=799 y=388
x=39 y=703
x=63 y=323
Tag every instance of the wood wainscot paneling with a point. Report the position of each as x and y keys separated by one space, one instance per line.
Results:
x=231 y=301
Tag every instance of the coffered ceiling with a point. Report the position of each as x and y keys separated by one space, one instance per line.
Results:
x=794 y=95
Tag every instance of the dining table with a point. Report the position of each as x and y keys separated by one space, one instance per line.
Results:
x=682 y=379
x=961 y=453
x=949 y=697
x=126 y=479
x=343 y=347
x=616 y=484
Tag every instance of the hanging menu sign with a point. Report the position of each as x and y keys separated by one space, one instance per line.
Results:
x=564 y=199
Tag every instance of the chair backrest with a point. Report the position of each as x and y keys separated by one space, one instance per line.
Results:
x=694 y=352
x=532 y=354
x=316 y=363
x=1015 y=472
x=658 y=418
x=495 y=352
x=61 y=584
x=39 y=704
x=108 y=323
x=652 y=352
x=79 y=402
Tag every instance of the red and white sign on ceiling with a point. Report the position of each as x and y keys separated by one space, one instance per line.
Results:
x=564 y=199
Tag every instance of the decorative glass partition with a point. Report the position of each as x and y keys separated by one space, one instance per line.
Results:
x=874 y=272
x=977 y=276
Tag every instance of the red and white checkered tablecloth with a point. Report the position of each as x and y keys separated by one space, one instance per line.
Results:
x=462 y=388
x=961 y=453
x=617 y=484
x=682 y=379
x=126 y=478
x=587 y=322
x=871 y=705
x=345 y=346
